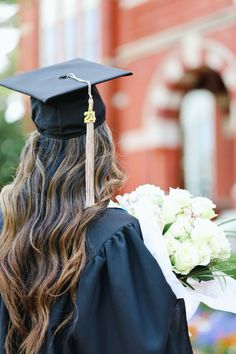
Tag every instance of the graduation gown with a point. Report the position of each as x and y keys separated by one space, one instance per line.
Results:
x=125 y=305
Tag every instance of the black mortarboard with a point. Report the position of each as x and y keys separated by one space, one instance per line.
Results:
x=58 y=102
x=65 y=103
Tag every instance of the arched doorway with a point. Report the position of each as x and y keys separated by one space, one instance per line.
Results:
x=159 y=137
x=207 y=145
x=197 y=120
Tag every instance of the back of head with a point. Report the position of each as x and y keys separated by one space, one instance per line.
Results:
x=43 y=244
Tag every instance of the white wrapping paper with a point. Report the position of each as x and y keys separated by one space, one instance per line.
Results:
x=218 y=294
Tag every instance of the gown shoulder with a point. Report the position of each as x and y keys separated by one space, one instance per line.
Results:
x=105 y=226
x=123 y=304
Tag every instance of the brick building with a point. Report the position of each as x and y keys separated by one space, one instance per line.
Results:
x=174 y=120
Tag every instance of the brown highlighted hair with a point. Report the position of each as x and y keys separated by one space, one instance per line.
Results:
x=42 y=244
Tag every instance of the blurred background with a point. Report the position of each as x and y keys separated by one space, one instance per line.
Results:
x=174 y=121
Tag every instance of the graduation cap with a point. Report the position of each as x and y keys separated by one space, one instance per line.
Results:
x=65 y=103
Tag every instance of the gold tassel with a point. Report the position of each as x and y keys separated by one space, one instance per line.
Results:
x=89 y=165
x=89 y=120
x=89 y=151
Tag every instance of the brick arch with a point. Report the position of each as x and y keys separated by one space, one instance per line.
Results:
x=159 y=126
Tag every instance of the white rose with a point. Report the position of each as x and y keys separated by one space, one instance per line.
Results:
x=169 y=210
x=225 y=250
x=151 y=193
x=215 y=247
x=220 y=247
x=204 y=253
x=150 y=190
x=204 y=230
x=181 y=197
x=181 y=228
x=146 y=191
x=172 y=245
x=185 y=258
x=203 y=207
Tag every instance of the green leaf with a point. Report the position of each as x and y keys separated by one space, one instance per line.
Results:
x=184 y=281
x=166 y=227
x=202 y=273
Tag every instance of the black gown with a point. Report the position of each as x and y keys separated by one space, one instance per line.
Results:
x=125 y=305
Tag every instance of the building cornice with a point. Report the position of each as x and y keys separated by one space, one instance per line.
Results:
x=157 y=42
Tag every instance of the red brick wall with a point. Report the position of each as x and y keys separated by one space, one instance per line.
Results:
x=29 y=41
x=154 y=16
x=28 y=56
x=125 y=26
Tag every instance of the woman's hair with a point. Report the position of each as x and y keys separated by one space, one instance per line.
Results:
x=42 y=244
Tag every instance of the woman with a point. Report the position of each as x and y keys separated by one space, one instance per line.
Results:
x=75 y=276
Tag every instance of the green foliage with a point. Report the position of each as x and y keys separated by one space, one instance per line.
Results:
x=210 y=272
x=229 y=267
x=11 y=142
x=11 y=136
x=166 y=227
x=11 y=139
x=12 y=21
x=8 y=1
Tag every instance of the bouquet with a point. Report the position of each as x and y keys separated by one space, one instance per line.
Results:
x=192 y=249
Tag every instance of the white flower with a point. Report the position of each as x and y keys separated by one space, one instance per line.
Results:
x=225 y=250
x=185 y=258
x=204 y=230
x=182 y=197
x=172 y=245
x=215 y=247
x=220 y=246
x=169 y=210
x=181 y=228
x=208 y=233
x=203 y=207
x=150 y=190
x=204 y=253
x=174 y=204
x=147 y=193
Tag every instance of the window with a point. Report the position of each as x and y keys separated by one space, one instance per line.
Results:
x=69 y=29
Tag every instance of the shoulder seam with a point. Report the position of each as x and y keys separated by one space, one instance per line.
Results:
x=132 y=224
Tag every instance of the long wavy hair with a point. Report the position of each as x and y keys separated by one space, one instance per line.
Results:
x=43 y=241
